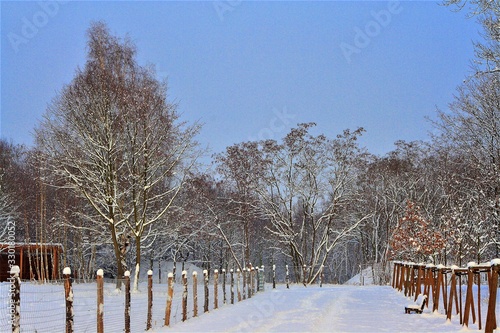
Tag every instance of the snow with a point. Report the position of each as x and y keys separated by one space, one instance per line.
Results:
x=67 y=271
x=332 y=308
x=328 y=309
x=150 y=272
x=127 y=273
x=100 y=272
x=495 y=262
x=15 y=270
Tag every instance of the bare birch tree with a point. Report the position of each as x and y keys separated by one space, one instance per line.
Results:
x=112 y=136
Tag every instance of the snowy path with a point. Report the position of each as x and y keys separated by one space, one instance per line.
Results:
x=314 y=309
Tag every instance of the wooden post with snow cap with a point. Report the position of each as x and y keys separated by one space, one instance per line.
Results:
x=184 y=295
x=68 y=295
x=491 y=321
x=244 y=274
x=274 y=276
x=304 y=275
x=127 y=301
x=238 y=272
x=287 y=278
x=205 y=282
x=150 y=300
x=321 y=276
x=195 y=294
x=438 y=285
x=224 y=300
x=170 y=296
x=216 y=289
x=100 y=301
x=453 y=292
x=469 y=297
x=15 y=301
x=231 y=272
x=257 y=272
x=249 y=282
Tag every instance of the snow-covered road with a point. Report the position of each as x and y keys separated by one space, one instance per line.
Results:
x=314 y=309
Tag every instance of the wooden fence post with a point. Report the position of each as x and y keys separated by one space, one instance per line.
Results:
x=321 y=276
x=15 y=299
x=224 y=300
x=287 y=278
x=216 y=289
x=127 y=301
x=394 y=273
x=184 y=295
x=469 y=297
x=100 y=301
x=304 y=273
x=231 y=272
x=274 y=276
x=195 y=294
x=68 y=295
x=244 y=274
x=205 y=281
x=251 y=283
x=170 y=295
x=257 y=272
x=491 y=322
x=437 y=289
x=238 y=272
x=150 y=300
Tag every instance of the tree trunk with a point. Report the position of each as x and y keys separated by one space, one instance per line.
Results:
x=137 y=262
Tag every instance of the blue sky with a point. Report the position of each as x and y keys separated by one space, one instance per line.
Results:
x=252 y=70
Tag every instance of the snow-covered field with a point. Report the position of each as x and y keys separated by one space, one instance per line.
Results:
x=333 y=308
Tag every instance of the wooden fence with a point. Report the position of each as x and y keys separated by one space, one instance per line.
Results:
x=251 y=278
x=414 y=279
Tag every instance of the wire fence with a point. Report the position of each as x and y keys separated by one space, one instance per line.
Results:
x=43 y=306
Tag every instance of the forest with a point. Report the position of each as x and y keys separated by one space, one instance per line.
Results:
x=116 y=177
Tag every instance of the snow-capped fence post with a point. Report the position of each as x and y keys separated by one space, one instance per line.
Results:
x=238 y=272
x=150 y=300
x=216 y=289
x=15 y=301
x=262 y=278
x=304 y=274
x=453 y=293
x=170 y=295
x=127 y=301
x=184 y=295
x=231 y=272
x=469 y=300
x=287 y=279
x=68 y=295
x=321 y=276
x=257 y=269
x=224 y=300
x=249 y=282
x=205 y=282
x=437 y=287
x=100 y=301
x=491 y=322
x=195 y=294
x=254 y=280
x=244 y=274
x=274 y=276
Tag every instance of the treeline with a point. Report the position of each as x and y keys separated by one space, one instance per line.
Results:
x=114 y=177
